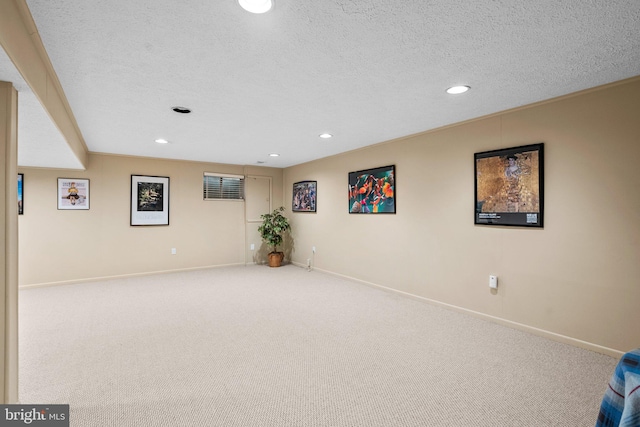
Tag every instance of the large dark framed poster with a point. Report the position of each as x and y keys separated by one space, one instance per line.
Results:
x=372 y=191
x=509 y=186
x=149 y=200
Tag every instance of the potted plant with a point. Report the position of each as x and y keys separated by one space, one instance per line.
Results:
x=273 y=226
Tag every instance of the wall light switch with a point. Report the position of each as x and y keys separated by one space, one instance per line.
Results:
x=173 y=251
x=493 y=282
x=253 y=247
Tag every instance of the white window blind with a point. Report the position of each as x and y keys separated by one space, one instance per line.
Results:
x=217 y=186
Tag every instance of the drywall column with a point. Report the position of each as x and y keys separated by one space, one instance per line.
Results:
x=9 y=245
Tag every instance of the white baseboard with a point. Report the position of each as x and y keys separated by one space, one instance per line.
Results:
x=123 y=276
x=509 y=323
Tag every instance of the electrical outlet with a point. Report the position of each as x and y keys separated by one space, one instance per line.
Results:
x=493 y=282
x=173 y=251
x=253 y=247
x=308 y=262
x=313 y=249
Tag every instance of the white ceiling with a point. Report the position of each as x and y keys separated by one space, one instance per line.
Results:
x=40 y=144
x=365 y=71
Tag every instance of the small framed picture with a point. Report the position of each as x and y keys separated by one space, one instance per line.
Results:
x=20 y=194
x=73 y=194
x=304 y=196
x=149 y=200
x=509 y=186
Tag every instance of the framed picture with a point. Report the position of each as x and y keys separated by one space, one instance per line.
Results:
x=509 y=186
x=304 y=196
x=373 y=191
x=73 y=194
x=20 y=193
x=149 y=200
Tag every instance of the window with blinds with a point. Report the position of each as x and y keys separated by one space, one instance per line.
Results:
x=218 y=186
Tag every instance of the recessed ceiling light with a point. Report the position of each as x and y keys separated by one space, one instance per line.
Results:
x=162 y=141
x=274 y=155
x=181 y=110
x=325 y=135
x=256 y=6
x=455 y=90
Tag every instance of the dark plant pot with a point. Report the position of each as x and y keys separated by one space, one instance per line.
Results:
x=275 y=259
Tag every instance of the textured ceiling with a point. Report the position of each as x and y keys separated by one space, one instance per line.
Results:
x=40 y=142
x=365 y=71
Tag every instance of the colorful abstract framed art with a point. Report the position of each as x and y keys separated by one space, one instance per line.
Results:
x=20 y=194
x=372 y=191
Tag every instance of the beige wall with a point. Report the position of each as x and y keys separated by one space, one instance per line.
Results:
x=578 y=277
x=575 y=280
x=62 y=245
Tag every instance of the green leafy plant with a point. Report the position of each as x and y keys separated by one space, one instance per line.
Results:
x=274 y=225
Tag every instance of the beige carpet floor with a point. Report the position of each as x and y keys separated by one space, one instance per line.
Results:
x=256 y=346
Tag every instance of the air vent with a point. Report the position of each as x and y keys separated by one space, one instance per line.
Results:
x=181 y=110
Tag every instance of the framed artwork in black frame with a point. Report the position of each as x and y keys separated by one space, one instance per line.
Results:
x=304 y=196
x=509 y=186
x=149 y=200
x=20 y=194
x=372 y=191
